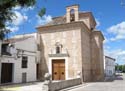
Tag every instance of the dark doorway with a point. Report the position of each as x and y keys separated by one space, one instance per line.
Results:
x=58 y=69
x=6 y=73
x=37 y=71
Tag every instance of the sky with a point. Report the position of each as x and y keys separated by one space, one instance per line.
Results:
x=109 y=15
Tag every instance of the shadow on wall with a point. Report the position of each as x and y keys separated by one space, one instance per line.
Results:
x=97 y=66
x=43 y=68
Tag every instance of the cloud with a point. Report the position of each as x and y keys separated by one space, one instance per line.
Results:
x=19 y=18
x=28 y=9
x=13 y=28
x=44 y=20
x=118 y=30
x=98 y=22
x=24 y=9
x=118 y=54
x=105 y=41
x=17 y=7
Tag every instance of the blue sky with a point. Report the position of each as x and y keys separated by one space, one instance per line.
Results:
x=109 y=14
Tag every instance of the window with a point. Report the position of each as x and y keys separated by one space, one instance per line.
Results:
x=5 y=50
x=24 y=61
x=72 y=16
x=57 y=49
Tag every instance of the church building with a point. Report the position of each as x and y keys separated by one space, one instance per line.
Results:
x=69 y=45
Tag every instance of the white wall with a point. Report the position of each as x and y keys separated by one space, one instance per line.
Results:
x=31 y=47
x=18 y=70
x=109 y=66
x=28 y=44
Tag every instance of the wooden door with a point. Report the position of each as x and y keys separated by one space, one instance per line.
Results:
x=58 y=69
x=6 y=73
x=62 y=71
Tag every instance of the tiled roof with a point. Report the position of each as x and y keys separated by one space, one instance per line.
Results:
x=57 y=20
x=62 y=19
x=13 y=40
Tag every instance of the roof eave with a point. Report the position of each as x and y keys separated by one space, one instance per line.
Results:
x=65 y=24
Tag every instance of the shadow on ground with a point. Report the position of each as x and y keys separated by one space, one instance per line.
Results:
x=119 y=77
x=116 y=77
x=13 y=87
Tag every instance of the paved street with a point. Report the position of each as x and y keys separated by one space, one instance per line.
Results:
x=117 y=85
x=36 y=86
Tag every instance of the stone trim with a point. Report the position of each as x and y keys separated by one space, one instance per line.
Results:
x=100 y=34
x=58 y=55
x=66 y=65
x=78 y=24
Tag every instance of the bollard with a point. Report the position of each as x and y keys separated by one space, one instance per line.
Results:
x=47 y=82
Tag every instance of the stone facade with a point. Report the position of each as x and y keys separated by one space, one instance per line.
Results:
x=97 y=56
x=81 y=45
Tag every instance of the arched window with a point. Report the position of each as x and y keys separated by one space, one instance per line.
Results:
x=72 y=15
x=57 y=49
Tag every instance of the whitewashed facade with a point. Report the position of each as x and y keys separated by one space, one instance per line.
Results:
x=21 y=48
x=109 y=66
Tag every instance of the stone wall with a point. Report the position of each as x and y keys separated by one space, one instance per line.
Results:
x=70 y=38
x=97 y=58
x=86 y=55
x=55 y=86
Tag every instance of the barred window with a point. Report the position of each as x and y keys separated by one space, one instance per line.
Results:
x=57 y=49
x=24 y=61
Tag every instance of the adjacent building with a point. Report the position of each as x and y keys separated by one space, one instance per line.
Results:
x=71 y=44
x=109 y=67
x=19 y=61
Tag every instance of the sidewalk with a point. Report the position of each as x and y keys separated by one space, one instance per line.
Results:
x=35 y=86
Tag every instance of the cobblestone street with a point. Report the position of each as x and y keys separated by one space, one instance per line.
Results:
x=117 y=85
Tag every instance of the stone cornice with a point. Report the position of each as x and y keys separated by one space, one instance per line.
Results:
x=74 y=25
x=100 y=34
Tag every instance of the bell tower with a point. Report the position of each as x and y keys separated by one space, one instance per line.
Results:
x=72 y=13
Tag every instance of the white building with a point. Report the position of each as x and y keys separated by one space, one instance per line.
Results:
x=109 y=66
x=19 y=61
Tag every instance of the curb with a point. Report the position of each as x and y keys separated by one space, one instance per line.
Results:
x=73 y=87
